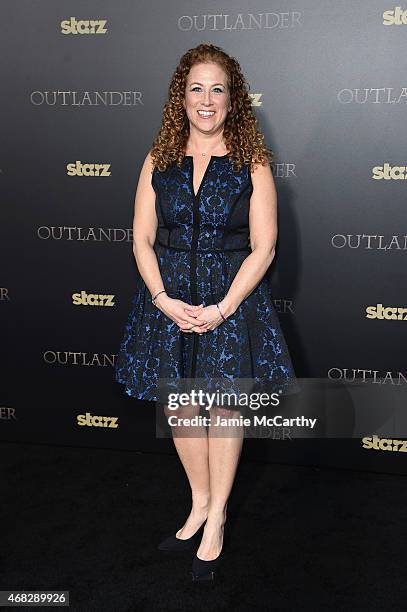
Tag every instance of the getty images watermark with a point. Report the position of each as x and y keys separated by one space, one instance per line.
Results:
x=299 y=408
x=228 y=408
x=219 y=403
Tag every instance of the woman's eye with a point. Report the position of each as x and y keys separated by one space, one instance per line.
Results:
x=217 y=89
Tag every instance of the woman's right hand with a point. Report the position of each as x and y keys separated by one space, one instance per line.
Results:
x=175 y=310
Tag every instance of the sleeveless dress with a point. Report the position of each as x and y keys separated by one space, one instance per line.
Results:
x=201 y=241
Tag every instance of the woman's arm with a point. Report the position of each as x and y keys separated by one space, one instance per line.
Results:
x=263 y=238
x=145 y=225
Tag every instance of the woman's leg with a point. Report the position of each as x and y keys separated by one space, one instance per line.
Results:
x=191 y=443
x=224 y=446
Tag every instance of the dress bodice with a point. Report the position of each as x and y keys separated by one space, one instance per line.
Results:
x=216 y=218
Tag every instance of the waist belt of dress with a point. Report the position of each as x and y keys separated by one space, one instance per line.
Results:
x=211 y=250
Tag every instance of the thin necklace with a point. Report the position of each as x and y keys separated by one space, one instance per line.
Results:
x=204 y=154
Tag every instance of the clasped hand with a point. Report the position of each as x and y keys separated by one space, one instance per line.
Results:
x=190 y=319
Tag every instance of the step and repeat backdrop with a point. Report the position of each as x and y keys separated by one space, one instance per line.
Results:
x=83 y=88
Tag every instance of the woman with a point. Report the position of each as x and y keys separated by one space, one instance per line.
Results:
x=203 y=308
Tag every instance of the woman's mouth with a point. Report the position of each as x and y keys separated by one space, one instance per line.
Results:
x=206 y=114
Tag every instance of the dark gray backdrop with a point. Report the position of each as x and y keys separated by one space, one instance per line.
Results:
x=329 y=90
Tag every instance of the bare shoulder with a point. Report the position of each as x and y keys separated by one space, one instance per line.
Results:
x=148 y=164
x=145 y=174
x=262 y=176
x=145 y=187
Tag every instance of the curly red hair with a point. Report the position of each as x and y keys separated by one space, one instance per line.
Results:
x=241 y=134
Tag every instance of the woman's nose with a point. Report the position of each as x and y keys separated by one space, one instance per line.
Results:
x=207 y=98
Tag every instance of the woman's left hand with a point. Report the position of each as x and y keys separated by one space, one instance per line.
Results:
x=209 y=314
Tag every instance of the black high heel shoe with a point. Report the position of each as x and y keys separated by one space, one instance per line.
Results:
x=204 y=570
x=174 y=544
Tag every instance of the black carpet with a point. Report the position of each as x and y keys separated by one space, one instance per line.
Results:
x=297 y=538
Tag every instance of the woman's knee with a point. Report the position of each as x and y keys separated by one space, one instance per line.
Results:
x=224 y=413
x=185 y=412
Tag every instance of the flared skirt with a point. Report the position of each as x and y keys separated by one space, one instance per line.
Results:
x=249 y=345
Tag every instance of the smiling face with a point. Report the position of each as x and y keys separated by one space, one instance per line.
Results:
x=207 y=98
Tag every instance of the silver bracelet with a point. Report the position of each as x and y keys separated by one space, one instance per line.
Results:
x=156 y=295
x=221 y=313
